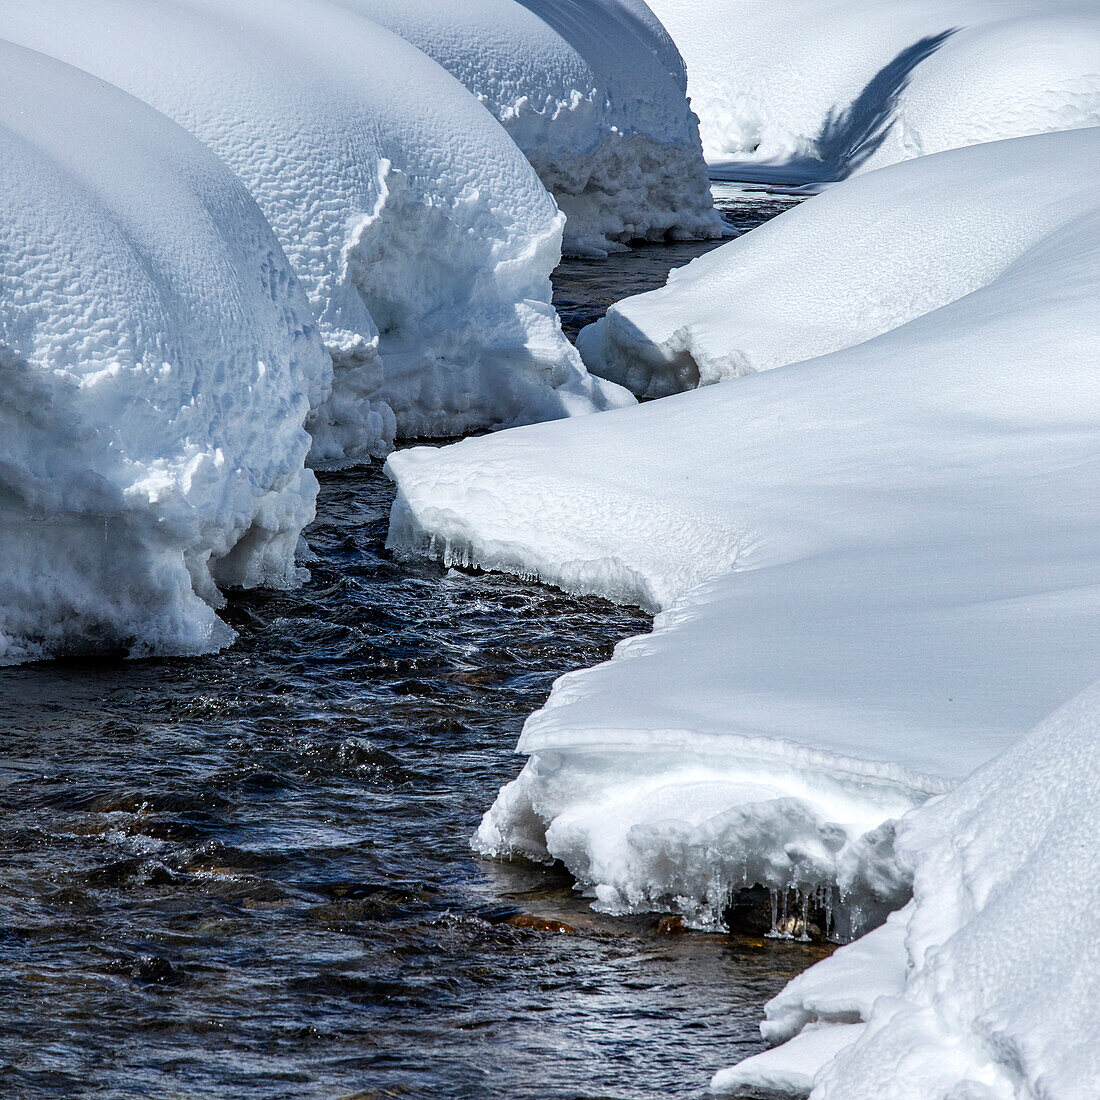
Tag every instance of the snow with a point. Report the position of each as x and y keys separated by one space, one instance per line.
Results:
x=842 y=989
x=789 y=1071
x=773 y=297
x=420 y=233
x=805 y=92
x=998 y=954
x=155 y=356
x=877 y=568
x=593 y=92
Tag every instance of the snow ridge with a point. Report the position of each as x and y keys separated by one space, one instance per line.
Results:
x=594 y=93
x=397 y=195
x=804 y=93
x=155 y=356
x=756 y=304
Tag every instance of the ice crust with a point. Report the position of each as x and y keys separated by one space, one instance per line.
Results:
x=805 y=92
x=988 y=984
x=593 y=92
x=155 y=356
x=422 y=236
x=877 y=567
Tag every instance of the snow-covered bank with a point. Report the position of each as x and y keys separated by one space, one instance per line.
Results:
x=879 y=565
x=988 y=983
x=155 y=356
x=851 y=264
x=417 y=228
x=594 y=95
x=807 y=92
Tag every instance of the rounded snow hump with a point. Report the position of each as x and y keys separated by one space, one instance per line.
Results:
x=155 y=356
x=594 y=93
x=422 y=236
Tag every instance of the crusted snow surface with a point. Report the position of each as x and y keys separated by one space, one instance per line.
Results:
x=804 y=92
x=593 y=92
x=423 y=237
x=155 y=354
x=904 y=240
x=987 y=984
x=878 y=569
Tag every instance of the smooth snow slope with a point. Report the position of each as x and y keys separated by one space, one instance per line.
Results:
x=988 y=984
x=805 y=91
x=853 y=263
x=593 y=92
x=155 y=354
x=399 y=200
x=879 y=565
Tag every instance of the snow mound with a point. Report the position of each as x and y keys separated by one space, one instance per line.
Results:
x=988 y=983
x=878 y=569
x=422 y=236
x=838 y=269
x=804 y=92
x=155 y=353
x=593 y=92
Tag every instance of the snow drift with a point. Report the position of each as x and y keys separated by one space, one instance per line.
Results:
x=879 y=566
x=988 y=983
x=155 y=354
x=417 y=228
x=805 y=92
x=594 y=95
x=904 y=244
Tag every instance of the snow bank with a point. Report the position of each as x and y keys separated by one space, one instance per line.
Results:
x=879 y=566
x=155 y=353
x=846 y=266
x=988 y=983
x=594 y=95
x=808 y=92
x=399 y=200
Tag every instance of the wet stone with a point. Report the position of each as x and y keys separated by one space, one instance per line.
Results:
x=672 y=926
x=538 y=924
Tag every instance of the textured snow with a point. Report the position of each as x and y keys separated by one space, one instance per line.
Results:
x=998 y=955
x=807 y=92
x=418 y=229
x=879 y=566
x=593 y=92
x=155 y=354
x=906 y=241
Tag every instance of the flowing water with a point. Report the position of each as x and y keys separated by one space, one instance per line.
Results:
x=248 y=875
x=583 y=289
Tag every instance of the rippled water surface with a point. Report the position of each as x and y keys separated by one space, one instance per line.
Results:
x=249 y=876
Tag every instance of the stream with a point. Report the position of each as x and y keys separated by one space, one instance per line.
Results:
x=248 y=875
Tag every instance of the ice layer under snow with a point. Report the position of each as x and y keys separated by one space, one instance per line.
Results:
x=593 y=92
x=422 y=236
x=877 y=567
x=987 y=984
x=155 y=356
x=805 y=92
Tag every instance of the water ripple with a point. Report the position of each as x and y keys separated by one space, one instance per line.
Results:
x=249 y=876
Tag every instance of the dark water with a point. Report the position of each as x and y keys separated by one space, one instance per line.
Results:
x=248 y=875
x=583 y=289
